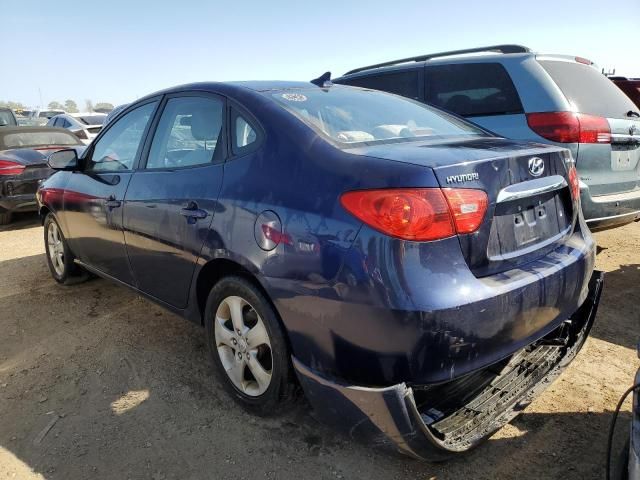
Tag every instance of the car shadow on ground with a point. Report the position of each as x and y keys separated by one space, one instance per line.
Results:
x=21 y=221
x=98 y=383
x=618 y=319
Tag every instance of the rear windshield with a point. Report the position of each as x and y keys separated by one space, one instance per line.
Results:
x=49 y=114
x=588 y=90
x=354 y=115
x=92 y=119
x=6 y=118
x=36 y=139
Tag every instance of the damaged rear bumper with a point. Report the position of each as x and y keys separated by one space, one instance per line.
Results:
x=425 y=421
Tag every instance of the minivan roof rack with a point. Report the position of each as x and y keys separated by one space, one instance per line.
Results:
x=422 y=58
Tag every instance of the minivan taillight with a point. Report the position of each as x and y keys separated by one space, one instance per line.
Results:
x=418 y=214
x=7 y=167
x=570 y=127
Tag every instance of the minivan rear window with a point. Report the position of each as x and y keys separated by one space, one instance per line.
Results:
x=588 y=90
x=472 y=89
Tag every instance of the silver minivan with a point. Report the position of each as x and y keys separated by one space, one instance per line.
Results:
x=519 y=94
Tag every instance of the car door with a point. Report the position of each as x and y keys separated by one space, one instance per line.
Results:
x=94 y=195
x=172 y=198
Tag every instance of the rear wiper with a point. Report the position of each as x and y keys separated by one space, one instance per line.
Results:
x=633 y=113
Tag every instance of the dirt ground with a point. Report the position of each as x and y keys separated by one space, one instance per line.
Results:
x=96 y=382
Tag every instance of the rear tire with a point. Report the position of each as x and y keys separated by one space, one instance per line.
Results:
x=60 y=259
x=5 y=218
x=248 y=347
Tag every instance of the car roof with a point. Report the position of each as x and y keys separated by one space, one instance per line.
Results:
x=492 y=54
x=231 y=86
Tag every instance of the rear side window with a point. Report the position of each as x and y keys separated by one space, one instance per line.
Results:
x=588 y=90
x=401 y=83
x=245 y=136
x=472 y=89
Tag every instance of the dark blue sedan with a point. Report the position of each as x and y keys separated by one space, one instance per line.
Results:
x=420 y=278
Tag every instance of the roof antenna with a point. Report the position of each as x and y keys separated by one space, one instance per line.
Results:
x=323 y=80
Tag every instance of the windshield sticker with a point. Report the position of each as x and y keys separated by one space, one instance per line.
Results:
x=294 y=97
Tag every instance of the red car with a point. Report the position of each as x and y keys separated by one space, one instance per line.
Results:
x=630 y=86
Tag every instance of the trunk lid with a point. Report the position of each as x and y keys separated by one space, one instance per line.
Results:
x=530 y=210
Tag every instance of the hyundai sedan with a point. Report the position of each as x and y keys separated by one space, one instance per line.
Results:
x=420 y=279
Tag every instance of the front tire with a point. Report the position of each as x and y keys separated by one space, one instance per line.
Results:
x=248 y=347
x=60 y=259
x=5 y=218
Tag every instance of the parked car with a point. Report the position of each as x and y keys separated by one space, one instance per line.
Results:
x=630 y=86
x=7 y=118
x=522 y=95
x=402 y=263
x=39 y=117
x=23 y=165
x=85 y=126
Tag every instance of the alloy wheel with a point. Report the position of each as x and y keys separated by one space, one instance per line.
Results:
x=243 y=344
x=56 y=248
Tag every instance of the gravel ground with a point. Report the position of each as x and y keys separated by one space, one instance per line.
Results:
x=96 y=382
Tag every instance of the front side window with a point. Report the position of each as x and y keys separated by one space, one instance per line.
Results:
x=118 y=147
x=353 y=115
x=472 y=89
x=188 y=133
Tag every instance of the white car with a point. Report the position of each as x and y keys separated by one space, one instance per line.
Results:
x=39 y=117
x=85 y=126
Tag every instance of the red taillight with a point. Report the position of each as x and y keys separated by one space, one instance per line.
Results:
x=419 y=214
x=468 y=208
x=574 y=183
x=7 y=167
x=81 y=134
x=569 y=127
x=594 y=129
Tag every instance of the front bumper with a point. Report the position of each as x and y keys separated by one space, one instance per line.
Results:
x=609 y=211
x=414 y=419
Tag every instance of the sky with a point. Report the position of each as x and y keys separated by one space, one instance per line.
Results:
x=118 y=50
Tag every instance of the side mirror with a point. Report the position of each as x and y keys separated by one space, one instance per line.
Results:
x=66 y=159
x=185 y=121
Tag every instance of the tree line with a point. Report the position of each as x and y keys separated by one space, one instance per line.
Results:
x=68 y=106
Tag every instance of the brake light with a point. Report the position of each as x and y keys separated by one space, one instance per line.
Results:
x=7 y=167
x=468 y=208
x=569 y=127
x=418 y=214
x=583 y=60
x=574 y=183
x=81 y=134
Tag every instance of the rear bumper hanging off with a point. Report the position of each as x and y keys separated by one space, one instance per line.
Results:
x=392 y=416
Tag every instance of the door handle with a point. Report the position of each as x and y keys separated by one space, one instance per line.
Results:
x=191 y=210
x=112 y=202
